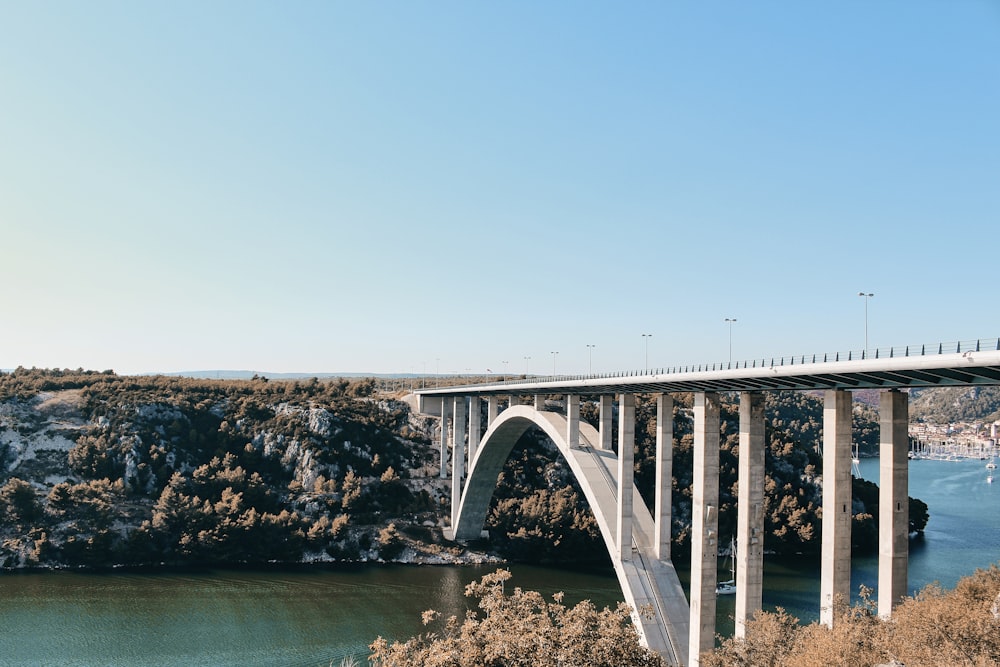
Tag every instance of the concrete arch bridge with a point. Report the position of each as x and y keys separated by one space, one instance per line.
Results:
x=682 y=628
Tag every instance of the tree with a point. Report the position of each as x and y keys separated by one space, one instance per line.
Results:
x=19 y=504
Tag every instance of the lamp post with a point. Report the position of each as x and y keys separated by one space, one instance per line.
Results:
x=647 y=337
x=866 y=295
x=590 y=353
x=730 y=320
x=553 y=363
x=526 y=366
x=505 y=366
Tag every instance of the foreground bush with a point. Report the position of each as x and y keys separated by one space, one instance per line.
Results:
x=931 y=629
x=521 y=630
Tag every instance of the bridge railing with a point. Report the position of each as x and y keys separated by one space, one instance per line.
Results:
x=926 y=349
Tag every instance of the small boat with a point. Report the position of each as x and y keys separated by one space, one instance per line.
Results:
x=729 y=587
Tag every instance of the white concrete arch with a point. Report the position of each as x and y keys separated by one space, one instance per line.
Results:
x=650 y=585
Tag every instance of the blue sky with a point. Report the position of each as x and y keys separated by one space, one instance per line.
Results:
x=445 y=186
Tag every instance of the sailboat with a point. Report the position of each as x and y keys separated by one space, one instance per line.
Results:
x=991 y=465
x=729 y=587
x=856 y=462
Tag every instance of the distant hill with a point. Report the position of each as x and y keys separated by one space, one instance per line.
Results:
x=247 y=375
x=945 y=405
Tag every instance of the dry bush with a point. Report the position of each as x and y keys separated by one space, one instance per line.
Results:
x=521 y=629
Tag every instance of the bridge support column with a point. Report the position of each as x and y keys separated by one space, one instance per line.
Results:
x=513 y=400
x=704 y=525
x=492 y=409
x=626 y=460
x=573 y=421
x=457 y=459
x=475 y=427
x=750 y=504
x=835 y=569
x=604 y=421
x=894 y=503
x=444 y=438
x=539 y=402
x=662 y=503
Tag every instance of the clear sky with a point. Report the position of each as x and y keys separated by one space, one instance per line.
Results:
x=446 y=186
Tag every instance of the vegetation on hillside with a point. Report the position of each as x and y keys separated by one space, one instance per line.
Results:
x=176 y=470
x=947 y=405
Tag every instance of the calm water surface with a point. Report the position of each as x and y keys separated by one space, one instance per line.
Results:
x=314 y=617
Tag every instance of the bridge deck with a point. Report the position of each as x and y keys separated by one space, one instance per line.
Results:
x=967 y=368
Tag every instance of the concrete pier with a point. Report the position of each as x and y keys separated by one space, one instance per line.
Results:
x=750 y=511
x=475 y=427
x=457 y=458
x=704 y=525
x=572 y=420
x=894 y=504
x=835 y=568
x=604 y=421
x=626 y=473
x=662 y=503
x=444 y=438
x=492 y=409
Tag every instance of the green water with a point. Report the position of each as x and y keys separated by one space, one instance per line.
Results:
x=313 y=617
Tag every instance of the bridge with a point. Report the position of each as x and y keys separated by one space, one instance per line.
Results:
x=638 y=541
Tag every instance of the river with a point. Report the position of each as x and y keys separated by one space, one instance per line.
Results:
x=316 y=617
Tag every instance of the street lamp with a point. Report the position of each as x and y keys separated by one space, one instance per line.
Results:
x=647 y=337
x=505 y=367
x=867 y=296
x=730 y=320
x=553 y=363
x=526 y=366
x=590 y=352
